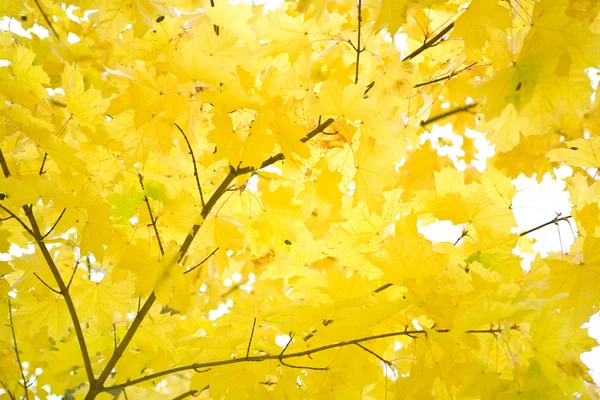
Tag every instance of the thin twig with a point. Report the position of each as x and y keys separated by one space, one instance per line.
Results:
x=6 y=388
x=193 y=162
x=229 y=361
x=45 y=284
x=37 y=3
x=383 y=360
x=554 y=221
x=357 y=47
x=430 y=43
x=16 y=349
x=201 y=262
x=382 y=288
x=295 y=366
x=189 y=393
x=251 y=335
x=448 y=113
x=152 y=219
x=4 y=165
x=73 y=274
x=41 y=172
x=445 y=77
x=19 y=220
x=56 y=223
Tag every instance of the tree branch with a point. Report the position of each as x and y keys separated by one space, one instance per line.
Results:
x=56 y=223
x=430 y=43
x=152 y=219
x=316 y=131
x=37 y=236
x=201 y=262
x=19 y=220
x=8 y=391
x=229 y=361
x=16 y=349
x=383 y=360
x=357 y=47
x=251 y=335
x=189 y=393
x=193 y=162
x=39 y=6
x=41 y=172
x=422 y=48
x=45 y=284
x=448 y=113
x=97 y=386
x=296 y=366
x=64 y=291
x=445 y=77
x=554 y=221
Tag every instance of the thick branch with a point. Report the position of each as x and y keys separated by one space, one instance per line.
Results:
x=193 y=162
x=16 y=349
x=37 y=236
x=265 y=357
x=554 y=221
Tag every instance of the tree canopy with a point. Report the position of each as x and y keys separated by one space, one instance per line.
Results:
x=225 y=201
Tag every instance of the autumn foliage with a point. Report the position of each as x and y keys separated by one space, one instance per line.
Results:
x=221 y=201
